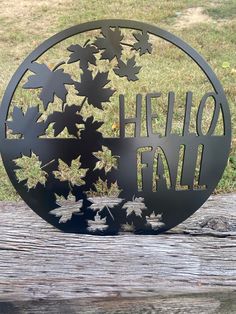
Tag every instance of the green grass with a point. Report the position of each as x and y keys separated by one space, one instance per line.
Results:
x=224 y=10
x=23 y=28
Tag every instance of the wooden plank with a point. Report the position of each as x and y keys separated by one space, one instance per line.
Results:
x=38 y=261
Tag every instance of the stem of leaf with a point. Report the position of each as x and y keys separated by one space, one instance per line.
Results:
x=70 y=186
x=58 y=65
x=48 y=163
x=110 y=212
x=85 y=44
x=126 y=44
x=83 y=102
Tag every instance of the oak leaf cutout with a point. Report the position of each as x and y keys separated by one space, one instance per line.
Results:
x=136 y=206
x=142 y=44
x=52 y=83
x=128 y=69
x=26 y=123
x=110 y=43
x=94 y=88
x=68 y=118
x=83 y=54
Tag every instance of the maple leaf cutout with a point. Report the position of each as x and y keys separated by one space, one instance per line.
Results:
x=98 y=203
x=66 y=119
x=26 y=123
x=73 y=174
x=103 y=189
x=110 y=43
x=142 y=44
x=136 y=207
x=106 y=160
x=105 y=196
x=155 y=220
x=66 y=210
x=52 y=83
x=128 y=69
x=30 y=171
x=97 y=224
x=93 y=88
x=83 y=54
x=128 y=227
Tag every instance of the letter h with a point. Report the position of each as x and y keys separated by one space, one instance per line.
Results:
x=136 y=120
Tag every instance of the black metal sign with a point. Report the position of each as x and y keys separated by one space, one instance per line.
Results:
x=78 y=132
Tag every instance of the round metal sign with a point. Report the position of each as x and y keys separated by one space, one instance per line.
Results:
x=93 y=144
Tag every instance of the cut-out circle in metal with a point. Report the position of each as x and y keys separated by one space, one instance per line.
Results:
x=90 y=183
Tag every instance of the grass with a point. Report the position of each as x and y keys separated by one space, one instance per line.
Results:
x=25 y=25
x=224 y=10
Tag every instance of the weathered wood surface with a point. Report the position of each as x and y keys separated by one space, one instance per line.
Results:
x=40 y=262
x=206 y=303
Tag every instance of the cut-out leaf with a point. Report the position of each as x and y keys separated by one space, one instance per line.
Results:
x=155 y=220
x=93 y=88
x=135 y=207
x=66 y=119
x=30 y=170
x=106 y=160
x=98 y=224
x=98 y=203
x=128 y=227
x=110 y=43
x=142 y=44
x=83 y=54
x=66 y=210
x=128 y=69
x=73 y=174
x=52 y=82
x=103 y=189
x=105 y=197
x=26 y=124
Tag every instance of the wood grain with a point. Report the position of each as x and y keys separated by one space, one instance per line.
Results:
x=206 y=303
x=40 y=262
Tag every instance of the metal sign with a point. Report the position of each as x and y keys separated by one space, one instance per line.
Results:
x=79 y=131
